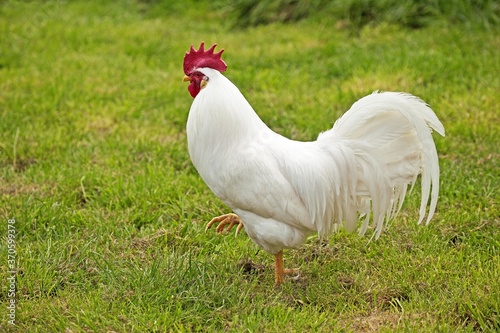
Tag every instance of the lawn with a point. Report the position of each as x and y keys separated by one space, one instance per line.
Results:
x=104 y=215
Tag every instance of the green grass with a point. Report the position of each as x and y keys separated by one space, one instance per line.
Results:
x=357 y=13
x=110 y=213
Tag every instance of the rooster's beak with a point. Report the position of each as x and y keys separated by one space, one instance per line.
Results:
x=186 y=78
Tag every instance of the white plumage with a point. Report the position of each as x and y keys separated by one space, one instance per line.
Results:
x=285 y=190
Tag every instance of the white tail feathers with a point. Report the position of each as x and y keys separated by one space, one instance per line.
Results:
x=391 y=137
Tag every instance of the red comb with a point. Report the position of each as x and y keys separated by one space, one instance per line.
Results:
x=201 y=58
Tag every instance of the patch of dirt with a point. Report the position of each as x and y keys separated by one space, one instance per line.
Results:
x=346 y=282
x=377 y=321
x=373 y=322
x=390 y=298
x=19 y=164
x=248 y=267
x=141 y=243
x=319 y=251
x=13 y=190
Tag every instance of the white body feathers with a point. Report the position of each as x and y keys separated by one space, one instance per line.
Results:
x=285 y=190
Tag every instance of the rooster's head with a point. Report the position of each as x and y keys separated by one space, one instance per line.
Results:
x=200 y=58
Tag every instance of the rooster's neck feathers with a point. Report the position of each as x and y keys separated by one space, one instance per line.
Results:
x=220 y=106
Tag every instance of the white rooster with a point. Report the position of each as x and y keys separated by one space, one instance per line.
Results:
x=282 y=190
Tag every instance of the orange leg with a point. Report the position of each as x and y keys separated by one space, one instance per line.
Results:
x=279 y=271
x=278 y=268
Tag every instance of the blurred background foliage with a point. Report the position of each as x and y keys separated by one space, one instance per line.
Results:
x=344 y=13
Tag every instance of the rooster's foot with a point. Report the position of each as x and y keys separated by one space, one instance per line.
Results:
x=227 y=219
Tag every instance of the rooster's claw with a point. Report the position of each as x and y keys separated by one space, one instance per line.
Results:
x=223 y=220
